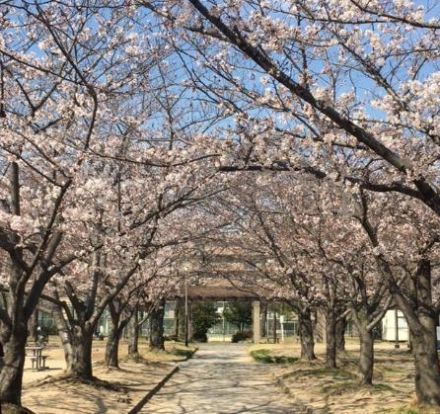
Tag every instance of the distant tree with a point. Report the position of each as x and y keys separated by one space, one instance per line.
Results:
x=204 y=316
x=239 y=314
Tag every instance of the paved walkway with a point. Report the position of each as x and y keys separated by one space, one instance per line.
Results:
x=221 y=379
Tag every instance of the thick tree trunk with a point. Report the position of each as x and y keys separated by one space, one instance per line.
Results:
x=115 y=335
x=366 y=341
x=305 y=326
x=80 y=362
x=264 y=319
x=133 y=340
x=11 y=375
x=318 y=326
x=426 y=362
x=366 y=356
x=181 y=321
x=176 y=320
x=77 y=346
x=157 y=341
x=65 y=335
x=341 y=324
x=410 y=347
x=112 y=348
x=33 y=325
x=330 y=335
x=422 y=325
x=112 y=345
x=274 y=327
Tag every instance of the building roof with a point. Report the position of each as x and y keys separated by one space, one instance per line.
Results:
x=218 y=290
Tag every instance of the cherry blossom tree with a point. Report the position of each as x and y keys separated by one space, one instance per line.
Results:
x=143 y=291
x=116 y=116
x=405 y=246
x=346 y=90
x=43 y=140
x=264 y=248
x=65 y=84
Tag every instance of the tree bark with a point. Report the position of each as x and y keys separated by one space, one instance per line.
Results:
x=11 y=375
x=33 y=325
x=80 y=362
x=263 y=319
x=330 y=342
x=133 y=341
x=181 y=320
x=422 y=324
x=410 y=347
x=13 y=336
x=112 y=348
x=77 y=339
x=176 y=320
x=363 y=320
x=366 y=356
x=120 y=316
x=341 y=324
x=426 y=362
x=274 y=327
x=112 y=345
x=305 y=326
x=157 y=341
x=65 y=334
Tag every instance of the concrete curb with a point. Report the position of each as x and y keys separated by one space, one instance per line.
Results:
x=153 y=391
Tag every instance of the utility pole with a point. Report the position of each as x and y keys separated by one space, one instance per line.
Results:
x=186 y=312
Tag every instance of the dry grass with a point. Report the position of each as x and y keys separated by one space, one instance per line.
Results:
x=338 y=391
x=114 y=391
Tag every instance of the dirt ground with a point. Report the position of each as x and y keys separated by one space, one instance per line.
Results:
x=312 y=385
x=338 y=391
x=46 y=392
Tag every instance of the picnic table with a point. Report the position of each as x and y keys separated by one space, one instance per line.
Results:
x=38 y=360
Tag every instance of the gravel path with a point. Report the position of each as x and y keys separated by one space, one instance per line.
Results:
x=221 y=379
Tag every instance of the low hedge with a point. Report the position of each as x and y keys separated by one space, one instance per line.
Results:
x=264 y=355
x=241 y=336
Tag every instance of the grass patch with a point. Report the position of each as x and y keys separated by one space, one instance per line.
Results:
x=265 y=356
x=421 y=410
x=186 y=353
x=334 y=373
x=325 y=390
x=339 y=388
x=408 y=411
x=383 y=388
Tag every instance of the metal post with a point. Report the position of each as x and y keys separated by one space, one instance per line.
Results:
x=186 y=312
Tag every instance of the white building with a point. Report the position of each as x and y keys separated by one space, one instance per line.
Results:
x=394 y=318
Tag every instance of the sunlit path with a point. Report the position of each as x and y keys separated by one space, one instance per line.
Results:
x=221 y=379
